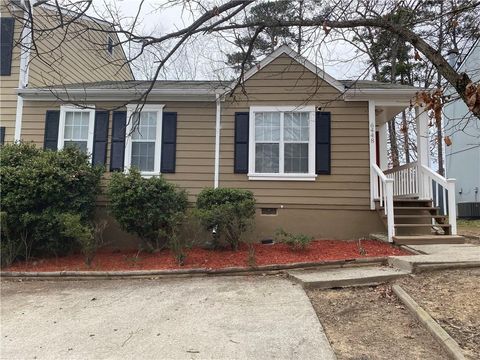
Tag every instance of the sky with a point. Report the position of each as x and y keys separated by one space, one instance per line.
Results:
x=205 y=57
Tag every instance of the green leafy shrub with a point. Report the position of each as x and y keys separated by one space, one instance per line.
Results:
x=38 y=187
x=228 y=213
x=295 y=241
x=89 y=237
x=147 y=207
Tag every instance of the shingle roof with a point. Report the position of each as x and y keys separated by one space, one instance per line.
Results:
x=208 y=84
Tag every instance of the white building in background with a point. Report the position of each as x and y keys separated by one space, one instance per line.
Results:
x=463 y=156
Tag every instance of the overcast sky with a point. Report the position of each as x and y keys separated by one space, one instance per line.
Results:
x=207 y=54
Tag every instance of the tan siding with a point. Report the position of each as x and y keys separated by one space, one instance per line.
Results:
x=73 y=55
x=285 y=82
x=195 y=139
x=8 y=84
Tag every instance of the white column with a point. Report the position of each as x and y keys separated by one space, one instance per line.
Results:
x=424 y=188
x=422 y=136
x=383 y=145
x=217 y=142
x=372 y=145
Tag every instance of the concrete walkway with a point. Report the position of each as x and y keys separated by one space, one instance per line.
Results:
x=194 y=318
x=344 y=277
x=438 y=256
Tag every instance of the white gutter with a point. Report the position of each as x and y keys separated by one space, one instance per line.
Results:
x=217 y=141
x=26 y=42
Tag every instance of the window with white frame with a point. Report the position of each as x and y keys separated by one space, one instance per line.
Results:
x=76 y=128
x=282 y=143
x=144 y=133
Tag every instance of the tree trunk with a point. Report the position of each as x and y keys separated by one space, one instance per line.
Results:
x=406 y=147
x=393 y=143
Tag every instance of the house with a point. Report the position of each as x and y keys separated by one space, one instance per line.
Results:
x=463 y=156
x=311 y=148
x=67 y=55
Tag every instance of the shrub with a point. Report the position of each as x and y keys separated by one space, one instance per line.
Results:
x=89 y=237
x=147 y=207
x=38 y=187
x=228 y=213
x=295 y=241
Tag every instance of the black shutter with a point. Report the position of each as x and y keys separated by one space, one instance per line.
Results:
x=6 y=45
x=2 y=135
x=240 y=165
x=169 y=142
x=52 y=119
x=322 y=146
x=100 y=138
x=117 y=153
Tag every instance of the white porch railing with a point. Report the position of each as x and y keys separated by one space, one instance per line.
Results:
x=383 y=190
x=405 y=180
x=413 y=180
x=442 y=192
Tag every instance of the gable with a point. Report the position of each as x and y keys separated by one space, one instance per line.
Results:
x=287 y=64
x=286 y=71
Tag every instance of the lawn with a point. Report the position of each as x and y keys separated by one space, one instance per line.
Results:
x=198 y=258
x=469 y=229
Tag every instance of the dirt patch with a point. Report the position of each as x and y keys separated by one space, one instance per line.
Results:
x=370 y=323
x=470 y=229
x=452 y=298
x=318 y=251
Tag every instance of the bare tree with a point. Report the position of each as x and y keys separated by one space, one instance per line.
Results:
x=229 y=16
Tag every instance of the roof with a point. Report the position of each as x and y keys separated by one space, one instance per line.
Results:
x=207 y=85
x=353 y=90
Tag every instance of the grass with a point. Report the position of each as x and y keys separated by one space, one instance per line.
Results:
x=470 y=228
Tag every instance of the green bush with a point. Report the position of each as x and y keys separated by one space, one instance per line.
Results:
x=295 y=241
x=228 y=213
x=38 y=187
x=147 y=207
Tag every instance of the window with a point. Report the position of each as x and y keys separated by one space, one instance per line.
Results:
x=76 y=128
x=144 y=133
x=110 y=45
x=282 y=143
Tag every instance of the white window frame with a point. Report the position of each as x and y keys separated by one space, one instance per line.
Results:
x=90 y=109
x=131 y=108
x=281 y=175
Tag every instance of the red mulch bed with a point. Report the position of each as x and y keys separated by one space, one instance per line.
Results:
x=322 y=250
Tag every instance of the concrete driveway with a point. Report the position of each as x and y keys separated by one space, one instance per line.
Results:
x=188 y=318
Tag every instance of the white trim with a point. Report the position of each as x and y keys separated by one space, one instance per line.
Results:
x=285 y=49
x=281 y=175
x=372 y=139
x=217 y=142
x=131 y=108
x=90 y=109
x=25 y=48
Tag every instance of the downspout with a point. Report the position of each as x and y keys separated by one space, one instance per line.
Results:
x=217 y=141
x=26 y=42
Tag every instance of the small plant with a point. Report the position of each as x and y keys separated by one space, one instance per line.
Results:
x=227 y=213
x=295 y=241
x=147 y=207
x=361 y=249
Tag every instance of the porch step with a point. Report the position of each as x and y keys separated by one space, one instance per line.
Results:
x=409 y=216
x=428 y=239
x=423 y=225
x=346 y=277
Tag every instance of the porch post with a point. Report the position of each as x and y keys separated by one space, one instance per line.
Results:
x=422 y=149
x=383 y=148
x=372 y=146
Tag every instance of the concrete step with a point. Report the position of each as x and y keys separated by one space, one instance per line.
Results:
x=345 y=277
x=428 y=239
x=438 y=256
